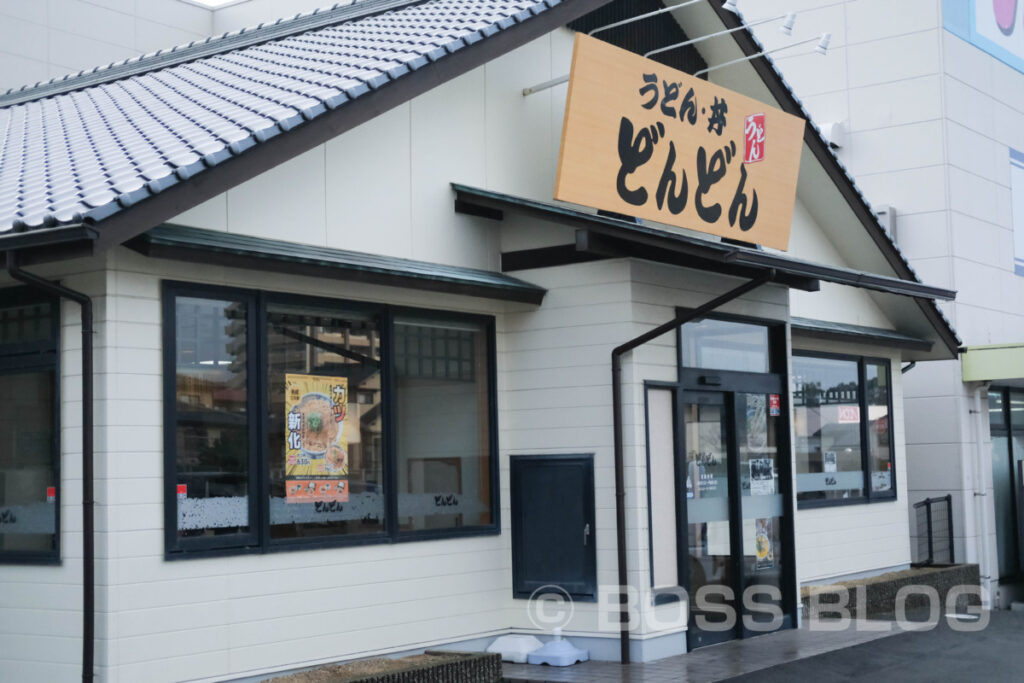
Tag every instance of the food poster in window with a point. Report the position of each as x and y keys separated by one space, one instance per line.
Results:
x=764 y=548
x=316 y=446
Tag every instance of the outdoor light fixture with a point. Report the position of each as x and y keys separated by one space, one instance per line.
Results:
x=821 y=49
x=789 y=19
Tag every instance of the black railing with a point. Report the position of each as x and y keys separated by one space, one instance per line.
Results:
x=934 y=531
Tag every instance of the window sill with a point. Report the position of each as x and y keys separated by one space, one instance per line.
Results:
x=38 y=560
x=331 y=543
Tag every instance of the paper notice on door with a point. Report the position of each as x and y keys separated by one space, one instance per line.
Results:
x=762 y=477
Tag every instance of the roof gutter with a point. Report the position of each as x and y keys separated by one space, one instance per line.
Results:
x=88 y=541
x=620 y=475
x=30 y=239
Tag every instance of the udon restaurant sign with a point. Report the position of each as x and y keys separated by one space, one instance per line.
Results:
x=645 y=140
x=316 y=447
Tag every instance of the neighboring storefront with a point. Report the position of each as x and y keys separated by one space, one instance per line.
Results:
x=361 y=387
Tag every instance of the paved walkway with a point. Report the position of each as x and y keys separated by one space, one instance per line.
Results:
x=994 y=654
x=713 y=663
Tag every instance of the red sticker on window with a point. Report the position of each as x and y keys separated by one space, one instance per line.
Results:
x=774 y=405
x=182 y=490
x=51 y=494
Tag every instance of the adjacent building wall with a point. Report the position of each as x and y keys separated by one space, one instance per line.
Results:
x=929 y=122
x=44 y=39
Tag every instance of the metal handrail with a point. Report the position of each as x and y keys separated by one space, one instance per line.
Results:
x=927 y=504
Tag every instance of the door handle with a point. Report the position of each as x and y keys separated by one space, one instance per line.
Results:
x=586 y=533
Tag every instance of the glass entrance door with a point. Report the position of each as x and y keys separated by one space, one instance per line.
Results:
x=711 y=564
x=737 y=574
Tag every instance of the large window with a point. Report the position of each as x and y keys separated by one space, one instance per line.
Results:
x=29 y=427
x=297 y=422
x=843 y=426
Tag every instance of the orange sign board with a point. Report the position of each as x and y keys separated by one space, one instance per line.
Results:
x=646 y=140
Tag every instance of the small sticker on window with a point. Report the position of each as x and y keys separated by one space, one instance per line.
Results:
x=182 y=491
x=774 y=405
x=51 y=494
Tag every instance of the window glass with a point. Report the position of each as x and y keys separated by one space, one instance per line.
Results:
x=212 y=420
x=325 y=423
x=443 y=424
x=826 y=422
x=996 y=412
x=723 y=345
x=24 y=323
x=290 y=398
x=28 y=478
x=1017 y=410
x=879 y=439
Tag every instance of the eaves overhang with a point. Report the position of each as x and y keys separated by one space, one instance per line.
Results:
x=231 y=250
x=606 y=236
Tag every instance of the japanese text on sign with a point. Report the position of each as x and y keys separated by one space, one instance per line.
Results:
x=646 y=140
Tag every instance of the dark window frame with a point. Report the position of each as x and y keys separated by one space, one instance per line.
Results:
x=1008 y=431
x=257 y=360
x=40 y=356
x=868 y=495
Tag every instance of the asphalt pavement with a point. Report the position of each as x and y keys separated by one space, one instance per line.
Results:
x=994 y=653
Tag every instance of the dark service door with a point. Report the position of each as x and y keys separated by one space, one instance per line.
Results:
x=553 y=525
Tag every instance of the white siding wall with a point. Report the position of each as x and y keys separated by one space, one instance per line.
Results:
x=384 y=186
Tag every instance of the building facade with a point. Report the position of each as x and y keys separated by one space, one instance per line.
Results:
x=353 y=384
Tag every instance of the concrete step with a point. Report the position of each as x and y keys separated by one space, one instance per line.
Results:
x=1017 y=606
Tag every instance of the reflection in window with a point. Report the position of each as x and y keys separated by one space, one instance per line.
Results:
x=723 y=345
x=880 y=454
x=843 y=426
x=826 y=422
x=26 y=322
x=443 y=424
x=27 y=476
x=29 y=426
x=325 y=423
x=212 y=422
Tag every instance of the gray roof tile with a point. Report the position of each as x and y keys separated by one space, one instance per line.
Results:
x=91 y=144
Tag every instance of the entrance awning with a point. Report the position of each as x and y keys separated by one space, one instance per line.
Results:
x=240 y=251
x=992 y=363
x=606 y=237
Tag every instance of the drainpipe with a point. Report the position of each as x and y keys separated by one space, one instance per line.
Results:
x=88 y=547
x=620 y=483
x=981 y=495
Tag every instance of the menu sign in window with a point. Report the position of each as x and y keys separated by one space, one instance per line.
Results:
x=316 y=447
x=645 y=140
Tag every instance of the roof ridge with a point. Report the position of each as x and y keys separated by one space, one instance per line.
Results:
x=228 y=41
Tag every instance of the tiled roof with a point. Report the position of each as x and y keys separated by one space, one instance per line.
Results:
x=84 y=147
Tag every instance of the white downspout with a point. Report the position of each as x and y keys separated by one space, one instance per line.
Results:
x=981 y=495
